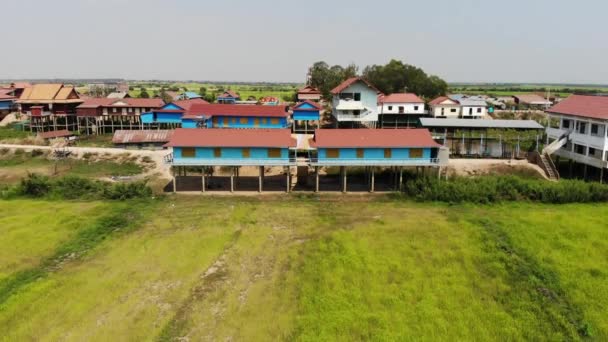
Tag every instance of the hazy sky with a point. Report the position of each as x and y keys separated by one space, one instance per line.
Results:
x=265 y=40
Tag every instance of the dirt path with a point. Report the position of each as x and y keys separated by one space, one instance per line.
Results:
x=475 y=167
x=157 y=156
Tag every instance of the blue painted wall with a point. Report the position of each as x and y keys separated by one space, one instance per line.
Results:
x=235 y=122
x=5 y=105
x=161 y=117
x=305 y=115
x=230 y=153
x=189 y=123
x=172 y=106
x=373 y=153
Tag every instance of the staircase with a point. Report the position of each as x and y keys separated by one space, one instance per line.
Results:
x=549 y=167
x=556 y=145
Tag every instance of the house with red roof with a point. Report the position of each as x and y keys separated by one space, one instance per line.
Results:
x=578 y=131
x=106 y=115
x=171 y=115
x=239 y=116
x=228 y=97
x=306 y=116
x=7 y=101
x=309 y=93
x=444 y=107
x=355 y=103
x=400 y=110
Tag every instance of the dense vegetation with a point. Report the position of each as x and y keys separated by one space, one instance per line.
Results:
x=393 y=77
x=491 y=189
x=74 y=187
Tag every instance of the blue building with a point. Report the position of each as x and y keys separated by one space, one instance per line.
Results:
x=189 y=95
x=306 y=116
x=239 y=116
x=171 y=115
x=231 y=148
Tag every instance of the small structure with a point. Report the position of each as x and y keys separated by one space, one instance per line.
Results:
x=485 y=138
x=578 y=132
x=106 y=115
x=444 y=107
x=473 y=108
x=7 y=101
x=306 y=116
x=400 y=110
x=532 y=101
x=189 y=95
x=145 y=139
x=309 y=93
x=228 y=97
x=231 y=148
x=355 y=103
x=65 y=134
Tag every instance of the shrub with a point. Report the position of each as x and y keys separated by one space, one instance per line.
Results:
x=37 y=153
x=123 y=191
x=72 y=187
x=35 y=185
x=489 y=189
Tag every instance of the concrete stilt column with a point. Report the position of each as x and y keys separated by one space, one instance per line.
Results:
x=344 y=185
x=373 y=180
x=400 y=178
x=602 y=175
x=232 y=181
x=203 y=187
x=439 y=173
x=174 y=181
x=316 y=179
x=585 y=172
x=287 y=180
x=260 y=179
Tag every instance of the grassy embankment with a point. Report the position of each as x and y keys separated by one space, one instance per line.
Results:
x=312 y=269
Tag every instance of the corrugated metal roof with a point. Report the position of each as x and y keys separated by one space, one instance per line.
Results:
x=143 y=136
x=56 y=134
x=400 y=98
x=471 y=123
x=595 y=107
x=378 y=138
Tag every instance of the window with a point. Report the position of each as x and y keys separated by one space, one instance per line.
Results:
x=470 y=111
x=244 y=121
x=581 y=127
x=565 y=123
x=357 y=96
x=479 y=110
x=580 y=149
x=256 y=122
x=598 y=130
x=360 y=153
x=333 y=153
x=274 y=153
x=416 y=107
x=215 y=121
x=114 y=110
x=274 y=121
x=246 y=152
x=453 y=110
x=356 y=112
x=217 y=152
x=415 y=153
x=388 y=153
x=401 y=109
x=390 y=107
x=591 y=151
x=442 y=111
x=188 y=152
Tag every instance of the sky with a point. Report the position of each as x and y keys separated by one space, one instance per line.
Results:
x=540 y=41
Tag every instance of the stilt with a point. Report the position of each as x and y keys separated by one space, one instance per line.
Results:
x=232 y=181
x=601 y=175
x=570 y=162
x=174 y=181
x=203 y=179
x=344 y=185
x=260 y=179
x=316 y=179
x=287 y=180
x=439 y=173
x=400 y=178
x=585 y=172
x=373 y=180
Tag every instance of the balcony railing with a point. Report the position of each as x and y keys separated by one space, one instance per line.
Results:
x=300 y=161
x=375 y=162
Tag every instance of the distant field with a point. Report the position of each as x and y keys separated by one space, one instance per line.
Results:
x=290 y=268
x=244 y=90
x=514 y=89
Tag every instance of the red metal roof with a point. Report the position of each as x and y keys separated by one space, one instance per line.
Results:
x=126 y=102
x=316 y=106
x=351 y=81
x=230 y=93
x=595 y=107
x=380 y=138
x=186 y=104
x=56 y=134
x=225 y=137
x=440 y=99
x=237 y=110
x=144 y=136
x=309 y=90
x=400 y=98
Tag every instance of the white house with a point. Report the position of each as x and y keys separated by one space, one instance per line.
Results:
x=355 y=101
x=473 y=108
x=401 y=103
x=444 y=107
x=577 y=130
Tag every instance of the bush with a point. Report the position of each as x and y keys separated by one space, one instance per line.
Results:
x=74 y=187
x=37 y=153
x=490 y=189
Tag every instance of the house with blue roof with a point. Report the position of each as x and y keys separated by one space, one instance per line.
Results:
x=306 y=116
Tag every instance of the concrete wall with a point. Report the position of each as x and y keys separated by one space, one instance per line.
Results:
x=408 y=108
x=231 y=153
x=373 y=153
x=246 y=122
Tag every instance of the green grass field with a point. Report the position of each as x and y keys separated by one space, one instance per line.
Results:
x=290 y=268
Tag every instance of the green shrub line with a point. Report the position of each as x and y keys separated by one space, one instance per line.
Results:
x=122 y=218
x=492 y=189
x=74 y=187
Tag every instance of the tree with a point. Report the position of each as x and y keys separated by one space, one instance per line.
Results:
x=325 y=78
x=165 y=97
x=144 y=95
x=210 y=97
x=203 y=91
